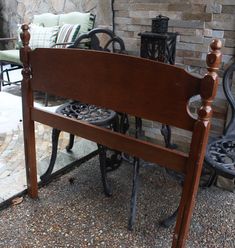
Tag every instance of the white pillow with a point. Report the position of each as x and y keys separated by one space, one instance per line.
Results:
x=42 y=37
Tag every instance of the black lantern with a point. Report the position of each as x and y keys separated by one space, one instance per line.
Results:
x=160 y=24
x=159 y=44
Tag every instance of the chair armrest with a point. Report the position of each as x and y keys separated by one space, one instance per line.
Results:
x=63 y=43
x=7 y=39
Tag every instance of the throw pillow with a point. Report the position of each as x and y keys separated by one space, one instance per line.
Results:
x=43 y=37
x=46 y=20
x=85 y=20
x=67 y=33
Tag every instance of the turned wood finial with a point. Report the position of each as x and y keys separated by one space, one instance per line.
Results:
x=210 y=82
x=213 y=58
x=25 y=35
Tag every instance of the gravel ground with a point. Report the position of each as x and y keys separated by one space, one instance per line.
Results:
x=79 y=215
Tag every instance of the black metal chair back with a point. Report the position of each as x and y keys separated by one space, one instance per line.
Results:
x=228 y=78
x=100 y=39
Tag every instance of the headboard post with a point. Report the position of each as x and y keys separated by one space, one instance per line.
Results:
x=28 y=123
x=210 y=82
x=208 y=89
x=25 y=37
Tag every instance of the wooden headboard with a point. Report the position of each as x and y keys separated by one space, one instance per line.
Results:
x=132 y=85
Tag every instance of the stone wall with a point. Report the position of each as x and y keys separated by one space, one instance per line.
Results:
x=22 y=11
x=1 y=25
x=196 y=21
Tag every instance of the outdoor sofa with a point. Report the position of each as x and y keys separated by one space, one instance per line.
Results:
x=47 y=30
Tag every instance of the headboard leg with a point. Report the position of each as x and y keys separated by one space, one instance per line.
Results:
x=28 y=123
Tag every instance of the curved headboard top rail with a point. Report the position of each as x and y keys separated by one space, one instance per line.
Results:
x=120 y=82
x=101 y=79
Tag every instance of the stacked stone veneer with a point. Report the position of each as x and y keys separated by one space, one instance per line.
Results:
x=20 y=11
x=1 y=24
x=196 y=21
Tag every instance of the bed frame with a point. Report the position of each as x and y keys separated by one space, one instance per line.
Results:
x=127 y=84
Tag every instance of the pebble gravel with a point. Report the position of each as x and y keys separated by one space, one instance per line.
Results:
x=73 y=211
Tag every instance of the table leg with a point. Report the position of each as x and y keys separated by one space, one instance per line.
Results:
x=55 y=138
x=134 y=193
x=71 y=143
x=103 y=170
x=166 y=133
x=169 y=221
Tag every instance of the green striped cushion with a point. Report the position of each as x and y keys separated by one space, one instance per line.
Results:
x=67 y=33
x=85 y=20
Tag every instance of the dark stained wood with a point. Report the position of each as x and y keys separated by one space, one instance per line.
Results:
x=145 y=150
x=100 y=79
x=28 y=123
x=198 y=146
x=143 y=88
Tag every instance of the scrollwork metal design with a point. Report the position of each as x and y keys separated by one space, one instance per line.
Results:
x=86 y=112
x=221 y=155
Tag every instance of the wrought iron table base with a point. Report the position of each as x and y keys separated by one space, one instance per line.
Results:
x=135 y=180
x=106 y=164
x=92 y=114
x=166 y=133
x=102 y=158
x=169 y=221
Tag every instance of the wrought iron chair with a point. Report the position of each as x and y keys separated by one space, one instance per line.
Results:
x=220 y=153
x=101 y=40
x=9 y=58
x=48 y=20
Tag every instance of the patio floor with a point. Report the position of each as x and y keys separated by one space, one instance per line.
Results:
x=72 y=211
x=12 y=166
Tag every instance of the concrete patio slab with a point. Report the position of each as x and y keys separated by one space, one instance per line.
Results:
x=12 y=165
